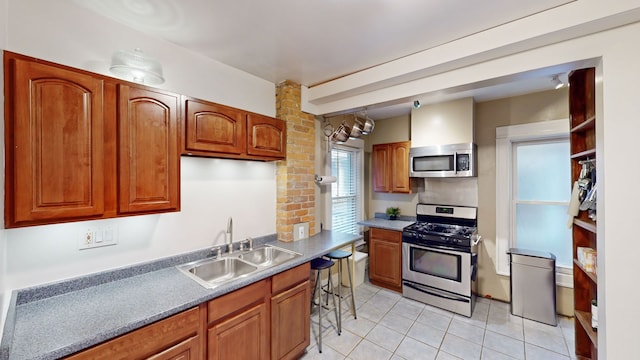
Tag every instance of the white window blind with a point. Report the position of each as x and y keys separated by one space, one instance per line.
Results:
x=346 y=192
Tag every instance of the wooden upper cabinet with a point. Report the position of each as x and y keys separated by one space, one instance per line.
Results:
x=266 y=136
x=390 y=167
x=400 y=167
x=214 y=128
x=54 y=141
x=148 y=151
x=380 y=165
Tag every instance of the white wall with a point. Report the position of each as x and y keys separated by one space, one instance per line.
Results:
x=211 y=189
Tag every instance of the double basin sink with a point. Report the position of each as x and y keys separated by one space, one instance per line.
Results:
x=211 y=273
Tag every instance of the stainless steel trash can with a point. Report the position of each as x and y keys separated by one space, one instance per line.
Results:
x=533 y=285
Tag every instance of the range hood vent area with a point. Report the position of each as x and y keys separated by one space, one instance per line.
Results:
x=443 y=123
x=446 y=125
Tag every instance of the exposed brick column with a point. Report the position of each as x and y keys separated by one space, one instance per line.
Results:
x=296 y=192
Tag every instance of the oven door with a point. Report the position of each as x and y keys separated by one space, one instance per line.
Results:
x=438 y=267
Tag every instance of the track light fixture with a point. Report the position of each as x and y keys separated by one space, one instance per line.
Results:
x=416 y=104
x=556 y=82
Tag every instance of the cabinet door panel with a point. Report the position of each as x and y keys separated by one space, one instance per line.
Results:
x=186 y=350
x=149 y=158
x=216 y=128
x=290 y=327
x=385 y=262
x=55 y=149
x=266 y=136
x=242 y=337
x=380 y=168
x=400 y=168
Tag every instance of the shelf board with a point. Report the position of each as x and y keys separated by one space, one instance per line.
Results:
x=584 y=154
x=585 y=225
x=588 y=124
x=579 y=357
x=590 y=274
x=584 y=318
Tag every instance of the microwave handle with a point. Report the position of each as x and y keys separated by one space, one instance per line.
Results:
x=455 y=162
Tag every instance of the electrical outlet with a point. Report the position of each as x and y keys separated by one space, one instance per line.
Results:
x=98 y=236
x=300 y=231
x=87 y=237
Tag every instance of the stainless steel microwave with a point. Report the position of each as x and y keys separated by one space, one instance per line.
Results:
x=456 y=160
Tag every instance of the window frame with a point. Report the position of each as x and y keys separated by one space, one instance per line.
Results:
x=356 y=145
x=506 y=136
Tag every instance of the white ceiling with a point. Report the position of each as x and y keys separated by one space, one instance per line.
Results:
x=314 y=41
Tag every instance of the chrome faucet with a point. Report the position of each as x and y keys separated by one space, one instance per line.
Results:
x=230 y=234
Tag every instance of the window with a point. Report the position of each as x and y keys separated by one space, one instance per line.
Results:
x=540 y=198
x=532 y=164
x=346 y=192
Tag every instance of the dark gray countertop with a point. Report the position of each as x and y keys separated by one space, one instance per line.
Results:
x=62 y=323
x=382 y=223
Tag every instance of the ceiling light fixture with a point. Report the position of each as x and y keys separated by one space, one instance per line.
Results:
x=136 y=66
x=416 y=104
x=556 y=82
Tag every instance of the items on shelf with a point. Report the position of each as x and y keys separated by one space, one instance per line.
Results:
x=583 y=195
x=587 y=258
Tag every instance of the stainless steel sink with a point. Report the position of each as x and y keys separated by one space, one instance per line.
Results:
x=268 y=256
x=213 y=272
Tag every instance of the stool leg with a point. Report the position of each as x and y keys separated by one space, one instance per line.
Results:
x=333 y=298
x=316 y=289
x=313 y=294
x=353 y=298
x=339 y=296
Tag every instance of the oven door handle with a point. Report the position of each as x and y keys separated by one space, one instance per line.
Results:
x=418 y=288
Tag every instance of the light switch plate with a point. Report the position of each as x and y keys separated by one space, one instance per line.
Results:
x=300 y=231
x=98 y=236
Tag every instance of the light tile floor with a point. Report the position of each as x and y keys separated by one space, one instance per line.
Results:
x=392 y=327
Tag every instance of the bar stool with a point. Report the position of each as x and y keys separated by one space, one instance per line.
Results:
x=340 y=255
x=318 y=265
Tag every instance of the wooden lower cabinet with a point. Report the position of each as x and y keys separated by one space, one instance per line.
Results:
x=238 y=324
x=176 y=337
x=385 y=258
x=269 y=319
x=243 y=336
x=290 y=313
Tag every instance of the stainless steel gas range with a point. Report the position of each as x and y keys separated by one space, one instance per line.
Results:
x=440 y=259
